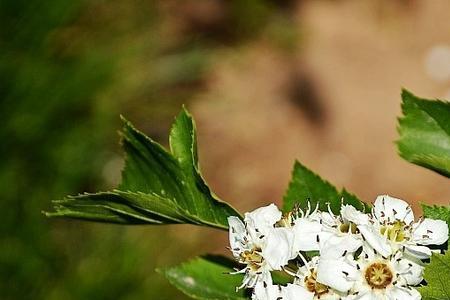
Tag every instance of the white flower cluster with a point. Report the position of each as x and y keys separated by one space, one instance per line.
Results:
x=356 y=255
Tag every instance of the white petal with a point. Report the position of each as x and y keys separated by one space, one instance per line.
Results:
x=305 y=235
x=295 y=292
x=263 y=217
x=367 y=295
x=375 y=240
x=278 y=250
x=253 y=279
x=236 y=232
x=421 y=252
x=336 y=246
x=350 y=214
x=336 y=274
x=397 y=293
x=327 y=218
x=266 y=291
x=389 y=209
x=410 y=270
x=431 y=232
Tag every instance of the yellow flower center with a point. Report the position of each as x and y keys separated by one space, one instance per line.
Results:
x=395 y=232
x=287 y=220
x=313 y=286
x=253 y=258
x=378 y=275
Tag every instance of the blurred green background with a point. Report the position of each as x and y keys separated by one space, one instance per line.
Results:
x=67 y=70
x=258 y=72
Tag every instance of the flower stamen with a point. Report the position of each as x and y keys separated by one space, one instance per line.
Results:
x=313 y=286
x=378 y=275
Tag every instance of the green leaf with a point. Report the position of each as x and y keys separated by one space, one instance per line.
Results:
x=306 y=186
x=158 y=186
x=207 y=278
x=120 y=207
x=437 y=213
x=437 y=276
x=424 y=132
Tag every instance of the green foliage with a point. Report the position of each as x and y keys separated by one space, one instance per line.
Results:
x=437 y=213
x=306 y=186
x=437 y=275
x=207 y=278
x=437 y=272
x=158 y=187
x=425 y=133
x=45 y=95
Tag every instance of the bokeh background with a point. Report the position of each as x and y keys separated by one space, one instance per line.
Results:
x=267 y=81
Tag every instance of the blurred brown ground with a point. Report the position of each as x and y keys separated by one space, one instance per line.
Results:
x=357 y=55
x=332 y=104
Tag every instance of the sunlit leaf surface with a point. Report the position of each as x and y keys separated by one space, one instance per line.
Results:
x=425 y=133
x=207 y=278
x=158 y=186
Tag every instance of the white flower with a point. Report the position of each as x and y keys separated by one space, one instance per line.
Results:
x=372 y=235
x=295 y=292
x=278 y=248
x=390 y=279
x=337 y=246
x=430 y=232
x=306 y=227
x=274 y=292
x=362 y=256
x=306 y=277
x=392 y=227
x=388 y=209
x=337 y=273
x=265 y=291
x=372 y=276
x=259 y=246
x=351 y=215
x=339 y=235
x=263 y=218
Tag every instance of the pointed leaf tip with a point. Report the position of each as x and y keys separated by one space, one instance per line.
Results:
x=306 y=186
x=158 y=186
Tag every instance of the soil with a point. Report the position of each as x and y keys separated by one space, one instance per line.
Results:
x=332 y=104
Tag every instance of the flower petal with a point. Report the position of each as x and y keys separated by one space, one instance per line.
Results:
x=263 y=218
x=375 y=240
x=350 y=214
x=278 y=250
x=337 y=246
x=410 y=270
x=305 y=235
x=431 y=232
x=336 y=274
x=367 y=295
x=266 y=291
x=294 y=292
x=420 y=252
x=396 y=293
x=260 y=221
x=328 y=218
x=253 y=279
x=390 y=209
x=236 y=232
